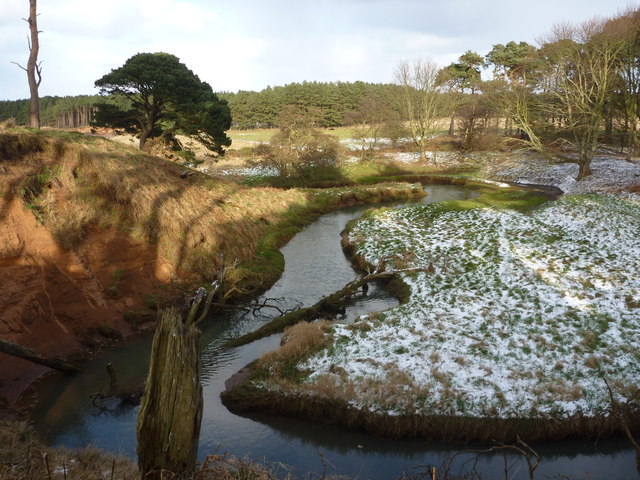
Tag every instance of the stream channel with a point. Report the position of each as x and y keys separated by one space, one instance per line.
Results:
x=314 y=267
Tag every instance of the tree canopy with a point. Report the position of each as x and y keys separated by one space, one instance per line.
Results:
x=162 y=97
x=335 y=101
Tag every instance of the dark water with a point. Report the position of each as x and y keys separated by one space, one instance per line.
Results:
x=315 y=266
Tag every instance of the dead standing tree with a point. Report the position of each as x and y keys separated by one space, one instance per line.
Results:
x=34 y=68
x=168 y=426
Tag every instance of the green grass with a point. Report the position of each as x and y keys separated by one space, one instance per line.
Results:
x=368 y=173
x=512 y=198
x=268 y=263
x=265 y=134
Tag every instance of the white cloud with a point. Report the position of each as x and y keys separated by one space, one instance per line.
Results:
x=252 y=44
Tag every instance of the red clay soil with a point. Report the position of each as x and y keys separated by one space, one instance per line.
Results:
x=64 y=303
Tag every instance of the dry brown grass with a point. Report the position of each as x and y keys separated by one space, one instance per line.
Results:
x=78 y=184
x=7 y=124
x=227 y=467
x=24 y=457
x=298 y=342
x=82 y=183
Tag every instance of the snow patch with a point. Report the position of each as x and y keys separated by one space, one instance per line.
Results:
x=523 y=315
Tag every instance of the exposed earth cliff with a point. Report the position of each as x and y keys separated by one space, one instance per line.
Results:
x=94 y=236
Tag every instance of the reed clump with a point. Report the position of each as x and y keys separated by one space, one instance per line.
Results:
x=297 y=342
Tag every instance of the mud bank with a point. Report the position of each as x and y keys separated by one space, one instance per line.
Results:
x=243 y=398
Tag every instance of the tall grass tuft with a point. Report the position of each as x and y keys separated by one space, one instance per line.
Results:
x=298 y=341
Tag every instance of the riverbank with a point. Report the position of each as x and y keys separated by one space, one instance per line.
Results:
x=95 y=237
x=542 y=354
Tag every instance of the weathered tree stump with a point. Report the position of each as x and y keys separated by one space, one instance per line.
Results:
x=171 y=410
x=170 y=414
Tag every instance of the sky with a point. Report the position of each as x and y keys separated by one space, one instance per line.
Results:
x=251 y=44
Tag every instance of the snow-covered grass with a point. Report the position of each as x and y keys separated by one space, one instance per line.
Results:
x=518 y=315
x=252 y=171
x=357 y=144
x=611 y=173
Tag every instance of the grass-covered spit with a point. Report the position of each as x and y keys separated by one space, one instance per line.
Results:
x=518 y=316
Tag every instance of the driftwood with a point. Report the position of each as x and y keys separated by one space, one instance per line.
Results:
x=16 y=350
x=125 y=396
x=333 y=304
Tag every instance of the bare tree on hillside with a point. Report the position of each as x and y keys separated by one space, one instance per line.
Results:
x=424 y=103
x=34 y=68
x=626 y=27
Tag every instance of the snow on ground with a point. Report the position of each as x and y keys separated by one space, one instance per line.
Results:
x=357 y=144
x=611 y=173
x=253 y=171
x=518 y=315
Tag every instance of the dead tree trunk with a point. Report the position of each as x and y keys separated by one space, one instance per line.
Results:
x=34 y=68
x=171 y=410
x=16 y=350
x=170 y=414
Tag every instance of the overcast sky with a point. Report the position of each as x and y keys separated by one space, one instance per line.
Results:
x=250 y=44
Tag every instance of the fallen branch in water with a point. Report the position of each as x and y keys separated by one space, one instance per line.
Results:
x=520 y=447
x=125 y=396
x=257 y=307
x=330 y=305
x=25 y=353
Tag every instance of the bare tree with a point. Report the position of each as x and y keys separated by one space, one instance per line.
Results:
x=368 y=122
x=579 y=84
x=625 y=28
x=298 y=144
x=424 y=102
x=34 y=68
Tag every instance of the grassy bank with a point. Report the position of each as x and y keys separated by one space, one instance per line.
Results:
x=75 y=184
x=370 y=173
x=522 y=322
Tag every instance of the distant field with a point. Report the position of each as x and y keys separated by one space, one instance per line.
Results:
x=248 y=138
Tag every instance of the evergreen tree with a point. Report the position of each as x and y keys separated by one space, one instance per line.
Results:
x=167 y=98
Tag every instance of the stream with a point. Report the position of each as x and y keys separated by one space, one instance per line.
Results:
x=314 y=267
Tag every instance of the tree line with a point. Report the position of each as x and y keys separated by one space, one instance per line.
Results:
x=579 y=87
x=249 y=109
x=333 y=101
x=69 y=111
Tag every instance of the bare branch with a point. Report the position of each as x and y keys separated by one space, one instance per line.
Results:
x=39 y=73
x=519 y=446
x=16 y=63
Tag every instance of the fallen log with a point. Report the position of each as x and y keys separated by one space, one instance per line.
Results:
x=333 y=304
x=25 y=353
